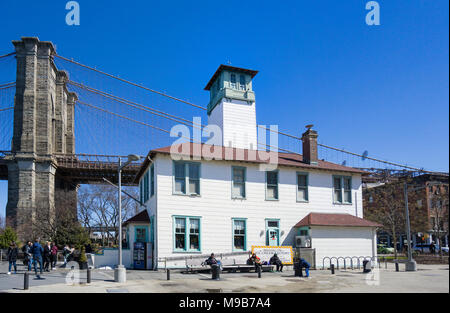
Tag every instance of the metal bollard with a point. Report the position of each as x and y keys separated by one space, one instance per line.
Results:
x=26 y=281
x=168 y=274
x=332 y=268
x=88 y=275
x=396 y=267
x=259 y=271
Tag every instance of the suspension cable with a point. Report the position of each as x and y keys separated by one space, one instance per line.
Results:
x=129 y=82
x=200 y=107
x=7 y=55
x=5 y=109
x=136 y=105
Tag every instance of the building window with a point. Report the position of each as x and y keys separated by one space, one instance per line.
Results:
x=140 y=234
x=272 y=185
x=180 y=234
x=194 y=234
x=302 y=187
x=141 y=191
x=342 y=189
x=186 y=174
x=152 y=181
x=187 y=238
x=242 y=82
x=239 y=234
x=233 y=81
x=194 y=178
x=180 y=177
x=145 y=187
x=238 y=182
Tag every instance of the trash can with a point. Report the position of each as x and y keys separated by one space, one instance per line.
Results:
x=298 y=271
x=367 y=266
x=215 y=269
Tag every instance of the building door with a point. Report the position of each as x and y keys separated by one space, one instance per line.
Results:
x=272 y=233
x=140 y=234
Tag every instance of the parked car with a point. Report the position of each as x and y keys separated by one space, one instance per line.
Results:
x=383 y=249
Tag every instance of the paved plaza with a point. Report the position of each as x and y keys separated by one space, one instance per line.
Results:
x=428 y=278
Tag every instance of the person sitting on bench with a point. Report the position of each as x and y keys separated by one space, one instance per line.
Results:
x=306 y=265
x=213 y=261
x=255 y=260
x=275 y=260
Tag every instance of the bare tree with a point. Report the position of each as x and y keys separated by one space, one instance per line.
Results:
x=98 y=208
x=387 y=207
x=439 y=207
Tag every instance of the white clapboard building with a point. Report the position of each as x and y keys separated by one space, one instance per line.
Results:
x=202 y=198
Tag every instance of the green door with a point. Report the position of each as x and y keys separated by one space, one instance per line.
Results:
x=272 y=233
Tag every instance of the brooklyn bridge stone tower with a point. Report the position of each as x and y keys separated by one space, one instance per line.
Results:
x=43 y=128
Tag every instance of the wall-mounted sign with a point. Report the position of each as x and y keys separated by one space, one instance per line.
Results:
x=285 y=253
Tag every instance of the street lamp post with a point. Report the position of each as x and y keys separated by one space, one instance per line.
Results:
x=411 y=265
x=120 y=273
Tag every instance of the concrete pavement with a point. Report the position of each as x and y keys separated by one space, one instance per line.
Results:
x=428 y=278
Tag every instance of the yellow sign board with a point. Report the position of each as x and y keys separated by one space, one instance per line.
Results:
x=285 y=253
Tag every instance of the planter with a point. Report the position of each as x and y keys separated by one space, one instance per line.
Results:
x=83 y=265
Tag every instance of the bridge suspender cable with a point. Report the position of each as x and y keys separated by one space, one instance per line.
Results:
x=158 y=128
x=129 y=82
x=136 y=105
x=127 y=118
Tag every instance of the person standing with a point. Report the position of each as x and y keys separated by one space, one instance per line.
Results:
x=36 y=252
x=27 y=255
x=54 y=251
x=66 y=253
x=47 y=256
x=13 y=252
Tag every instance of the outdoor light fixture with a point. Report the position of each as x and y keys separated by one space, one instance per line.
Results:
x=120 y=273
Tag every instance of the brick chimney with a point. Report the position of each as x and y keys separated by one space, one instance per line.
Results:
x=309 y=139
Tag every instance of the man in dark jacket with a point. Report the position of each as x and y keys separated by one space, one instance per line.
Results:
x=13 y=252
x=212 y=261
x=28 y=257
x=276 y=260
x=36 y=251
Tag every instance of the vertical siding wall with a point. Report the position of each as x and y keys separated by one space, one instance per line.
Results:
x=346 y=242
x=237 y=119
x=216 y=207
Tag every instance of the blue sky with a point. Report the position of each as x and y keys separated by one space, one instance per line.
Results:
x=383 y=88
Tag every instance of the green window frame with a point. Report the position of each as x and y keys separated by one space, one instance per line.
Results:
x=238 y=179
x=143 y=186
x=239 y=234
x=187 y=233
x=186 y=178
x=342 y=189
x=302 y=187
x=141 y=190
x=272 y=178
x=152 y=180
